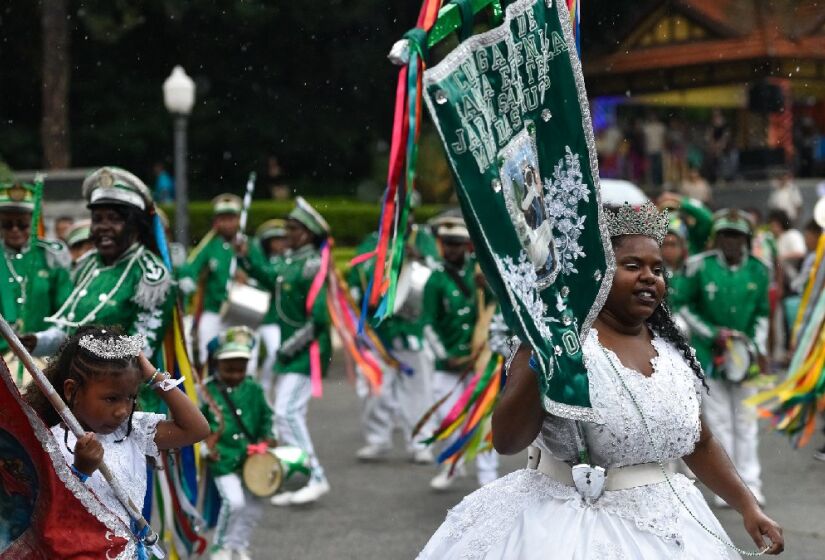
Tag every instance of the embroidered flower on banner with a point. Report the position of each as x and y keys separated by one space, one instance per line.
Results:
x=564 y=193
x=521 y=279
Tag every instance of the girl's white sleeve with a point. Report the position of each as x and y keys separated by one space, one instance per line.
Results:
x=144 y=427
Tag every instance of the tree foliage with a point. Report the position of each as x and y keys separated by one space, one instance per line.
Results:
x=307 y=81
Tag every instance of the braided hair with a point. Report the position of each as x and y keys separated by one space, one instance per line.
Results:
x=662 y=323
x=75 y=362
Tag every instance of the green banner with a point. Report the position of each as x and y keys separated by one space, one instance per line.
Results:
x=512 y=112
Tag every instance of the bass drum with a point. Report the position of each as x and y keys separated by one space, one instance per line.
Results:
x=19 y=373
x=265 y=473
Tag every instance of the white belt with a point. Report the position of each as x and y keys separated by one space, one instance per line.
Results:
x=618 y=478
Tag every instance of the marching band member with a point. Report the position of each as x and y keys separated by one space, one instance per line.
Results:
x=79 y=241
x=273 y=244
x=247 y=420
x=405 y=395
x=210 y=262
x=302 y=329
x=450 y=305
x=675 y=255
x=122 y=281
x=727 y=299
x=38 y=276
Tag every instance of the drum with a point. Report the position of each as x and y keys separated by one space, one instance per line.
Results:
x=20 y=374
x=245 y=305
x=409 y=296
x=265 y=473
x=738 y=360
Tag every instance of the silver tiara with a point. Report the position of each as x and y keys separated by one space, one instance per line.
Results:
x=646 y=220
x=113 y=348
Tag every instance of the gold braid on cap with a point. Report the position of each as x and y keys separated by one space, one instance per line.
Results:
x=646 y=220
x=113 y=348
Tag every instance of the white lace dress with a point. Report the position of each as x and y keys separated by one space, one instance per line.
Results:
x=126 y=460
x=529 y=516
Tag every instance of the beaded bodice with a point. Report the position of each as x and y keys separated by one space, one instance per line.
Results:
x=669 y=400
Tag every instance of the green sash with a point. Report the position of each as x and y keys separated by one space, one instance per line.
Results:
x=512 y=112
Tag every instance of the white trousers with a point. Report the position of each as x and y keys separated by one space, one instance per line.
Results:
x=239 y=514
x=211 y=325
x=735 y=426
x=271 y=339
x=403 y=400
x=443 y=383
x=292 y=394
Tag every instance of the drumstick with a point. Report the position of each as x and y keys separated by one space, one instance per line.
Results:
x=151 y=540
x=247 y=202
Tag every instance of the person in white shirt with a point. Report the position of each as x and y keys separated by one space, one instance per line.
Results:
x=786 y=196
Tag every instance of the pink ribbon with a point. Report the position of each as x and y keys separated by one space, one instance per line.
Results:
x=316 y=385
x=257 y=448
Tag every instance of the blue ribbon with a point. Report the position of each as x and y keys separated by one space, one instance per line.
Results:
x=139 y=536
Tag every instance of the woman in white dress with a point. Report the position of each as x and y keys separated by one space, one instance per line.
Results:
x=646 y=386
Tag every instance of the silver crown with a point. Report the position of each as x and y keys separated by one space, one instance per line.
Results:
x=114 y=348
x=646 y=220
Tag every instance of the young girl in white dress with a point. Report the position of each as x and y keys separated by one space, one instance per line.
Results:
x=98 y=372
x=646 y=387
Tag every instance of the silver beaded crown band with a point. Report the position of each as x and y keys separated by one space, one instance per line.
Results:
x=113 y=348
x=646 y=220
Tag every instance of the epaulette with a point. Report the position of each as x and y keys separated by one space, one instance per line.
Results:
x=768 y=266
x=57 y=255
x=155 y=281
x=311 y=266
x=694 y=262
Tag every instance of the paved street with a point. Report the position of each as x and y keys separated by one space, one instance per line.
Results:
x=386 y=510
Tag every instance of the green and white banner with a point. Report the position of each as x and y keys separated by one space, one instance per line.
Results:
x=512 y=112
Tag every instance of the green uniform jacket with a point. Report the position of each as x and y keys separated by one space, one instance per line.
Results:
x=135 y=293
x=255 y=414
x=290 y=280
x=719 y=296
x=271 y=317
x=44 y=271
x=394 y=332
x=215 y=257
x=676 y=289
x=450 y=313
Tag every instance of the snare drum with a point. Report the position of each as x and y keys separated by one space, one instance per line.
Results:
x=245 y=305
x=265 y=473
x=739 y=358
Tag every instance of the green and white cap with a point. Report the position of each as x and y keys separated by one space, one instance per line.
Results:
x=17 y=197
x=271 y=229
x=451 y=227
x=235 y=342
x=113 y=185
x=677 y=226
x=79 y=232
x=227 y=204
x=309 y=217
x=732 y=219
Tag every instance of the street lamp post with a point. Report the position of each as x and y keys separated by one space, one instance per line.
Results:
x=179 y=97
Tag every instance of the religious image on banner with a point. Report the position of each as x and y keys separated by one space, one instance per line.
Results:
x=512 y=112
x=524 y=195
